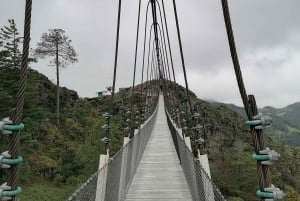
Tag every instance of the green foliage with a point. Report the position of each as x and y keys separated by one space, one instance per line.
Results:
x=56 y=45
x=45 y=191
x=56 y=156
x=10 y=55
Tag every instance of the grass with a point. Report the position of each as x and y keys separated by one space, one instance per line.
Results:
x=47 y=192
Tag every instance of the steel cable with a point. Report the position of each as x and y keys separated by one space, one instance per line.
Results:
x=116 y=52
x=263 y=171
x=16 y=116
x=182 y=58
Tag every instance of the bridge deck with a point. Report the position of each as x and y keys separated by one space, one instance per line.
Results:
x=159 y=176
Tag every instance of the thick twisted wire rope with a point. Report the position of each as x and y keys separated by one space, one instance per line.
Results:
x=14 y=140
x=263 y=171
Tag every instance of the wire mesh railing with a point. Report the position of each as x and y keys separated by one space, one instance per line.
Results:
x=201 y=186
x=119 y=171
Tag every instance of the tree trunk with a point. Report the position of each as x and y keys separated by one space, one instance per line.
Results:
x=15 y=51
x=57 y=87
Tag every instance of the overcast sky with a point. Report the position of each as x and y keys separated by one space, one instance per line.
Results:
x=267 y=34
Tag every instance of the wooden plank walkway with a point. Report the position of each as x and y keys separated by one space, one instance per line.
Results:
x=159 y=176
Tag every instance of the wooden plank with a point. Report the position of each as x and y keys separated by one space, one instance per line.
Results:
x=159 y=176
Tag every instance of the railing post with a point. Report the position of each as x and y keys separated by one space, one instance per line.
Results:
x=207 y=186
x=122 y=188
x=102 y=177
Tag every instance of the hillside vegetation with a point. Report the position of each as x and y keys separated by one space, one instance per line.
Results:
x=58 y=160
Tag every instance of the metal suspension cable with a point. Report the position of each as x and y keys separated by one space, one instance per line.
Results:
x=162 y=34
x=235 y=58
x=156 y=62
x=249 y=102
x=149 y=46
x=164 y=42
x=107 y=116
x=136 y=48
x=154 y=16
x=167 y=32
x=17 y=114
x=145 y=38
x=116 y=51
x=163 y=47
x=134 y=68
x=182 y=58
x=163 y=59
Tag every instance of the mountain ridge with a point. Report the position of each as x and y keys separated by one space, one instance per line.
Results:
x=286 y=121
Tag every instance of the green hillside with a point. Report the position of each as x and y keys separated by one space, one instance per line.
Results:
x=58 y=160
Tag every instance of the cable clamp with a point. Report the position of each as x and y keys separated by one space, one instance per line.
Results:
x=196 y=115
x=106 y=127
x=271 y=193
x=266 y=156
x=199 y=140
x=198 y=127
x=260 y=121
x=6 y=193
x=107 y=115
x=6 y=161
x=4 y=155
x=105 y=140
x=7 y=127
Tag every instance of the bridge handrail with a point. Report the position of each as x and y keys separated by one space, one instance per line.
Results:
x=126 y=159
x=198 y=180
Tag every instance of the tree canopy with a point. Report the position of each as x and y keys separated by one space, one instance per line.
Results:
x=10 y=55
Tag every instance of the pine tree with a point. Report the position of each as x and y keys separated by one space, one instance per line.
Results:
x=56 y=45
x=10 y=55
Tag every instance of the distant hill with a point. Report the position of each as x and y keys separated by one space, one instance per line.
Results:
x=286 y=122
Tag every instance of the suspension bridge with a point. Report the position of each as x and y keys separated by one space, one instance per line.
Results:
x=157 y=160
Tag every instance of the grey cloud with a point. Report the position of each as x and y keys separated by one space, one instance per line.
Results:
x=260 y=28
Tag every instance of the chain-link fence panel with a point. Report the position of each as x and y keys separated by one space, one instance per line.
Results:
x=200 y=185
x=87 y=191
x=118 y=173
